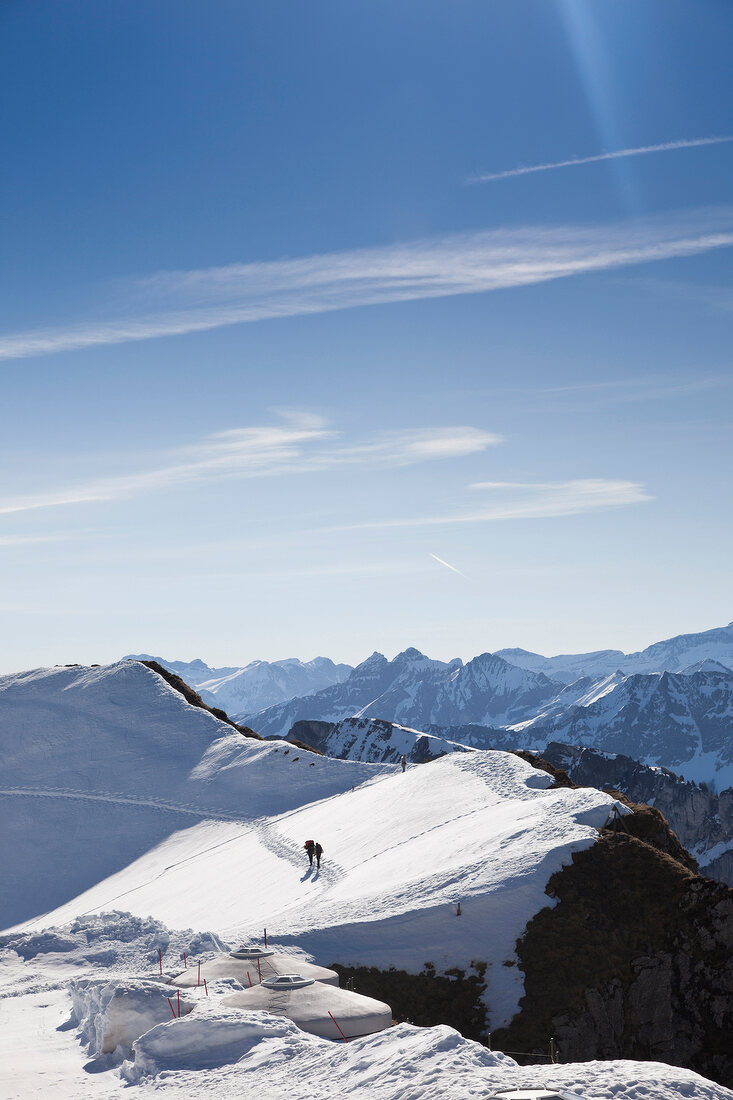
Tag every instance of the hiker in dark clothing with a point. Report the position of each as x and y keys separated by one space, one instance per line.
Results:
x=319 y=853
x=403 y=761
x=310 y=848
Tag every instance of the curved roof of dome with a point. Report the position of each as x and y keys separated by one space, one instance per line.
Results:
x=246 y=972
x=317 y=1008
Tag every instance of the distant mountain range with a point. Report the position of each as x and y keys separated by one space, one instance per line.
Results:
x=257 y=685
x=670 y=704
x=671 y=655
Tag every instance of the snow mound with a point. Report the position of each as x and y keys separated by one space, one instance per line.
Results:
x=211 y=1037
x=116 y=940
x=111 y=1015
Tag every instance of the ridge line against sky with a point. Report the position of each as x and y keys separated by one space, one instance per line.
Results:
x=175 y=303
x=616 y=154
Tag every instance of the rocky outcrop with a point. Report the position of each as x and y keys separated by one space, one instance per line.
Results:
x=633 y=961
x=702 y=820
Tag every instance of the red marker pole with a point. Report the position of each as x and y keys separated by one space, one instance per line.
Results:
x=250 y=980
x=199 y=977
x=172 y=1008
x=160 y=961
x=259 y=968
x=179 y=1006
x=340 y=1031
x=185 y=964
x=206 y=988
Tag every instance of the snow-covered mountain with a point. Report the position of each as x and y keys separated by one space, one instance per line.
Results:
x=374 y=740
x=253 y=687
x=680 y=721
x=111 y=776
x=100 y=764
x=196 y=826
x=672 y=655
x=416 y=691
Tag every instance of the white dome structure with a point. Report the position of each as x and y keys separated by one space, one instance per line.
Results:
x=242 y=966
x=320 y=1009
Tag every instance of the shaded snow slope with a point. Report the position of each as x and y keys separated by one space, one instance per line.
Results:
x=101 y=764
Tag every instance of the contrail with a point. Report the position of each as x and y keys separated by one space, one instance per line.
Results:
x=666 y=147
x=448 y=565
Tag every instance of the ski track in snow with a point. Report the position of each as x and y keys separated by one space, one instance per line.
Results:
x=123 y=800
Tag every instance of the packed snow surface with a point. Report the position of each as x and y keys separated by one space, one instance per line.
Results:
x=401 y=850
x=101 y=764
x=54 y=1032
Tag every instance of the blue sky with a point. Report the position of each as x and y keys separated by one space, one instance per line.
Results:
x=285 y=373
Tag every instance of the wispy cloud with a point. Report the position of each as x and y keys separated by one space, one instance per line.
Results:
x=532 y=500
x=639 y=151
x=304 y=443
x=10 y=541
x=179 y=302
x=447 y=565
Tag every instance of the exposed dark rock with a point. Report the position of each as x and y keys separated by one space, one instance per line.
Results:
x=313 y=733
x=634 y=960
x=427 y=998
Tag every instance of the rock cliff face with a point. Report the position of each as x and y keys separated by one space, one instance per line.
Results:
x=373 y=740
x=634 y=960
x=702 y=820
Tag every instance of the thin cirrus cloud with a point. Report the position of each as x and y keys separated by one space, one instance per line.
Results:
x=180 y=302
x=512 y=500
x=303 y=444
x=616 y=154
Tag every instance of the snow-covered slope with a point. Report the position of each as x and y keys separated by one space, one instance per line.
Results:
x=100 y=764
x=683 y=722
x=671 y=655
x=401 y=850
x=246 y=689
x=52 y=1049
x=485 y=829
x=416 y=691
